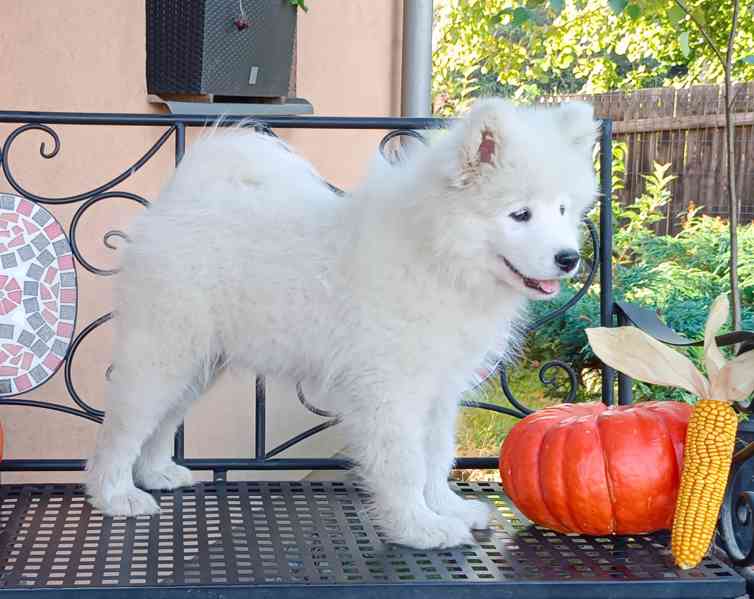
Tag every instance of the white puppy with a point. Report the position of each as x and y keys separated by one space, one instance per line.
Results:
x=386 y=299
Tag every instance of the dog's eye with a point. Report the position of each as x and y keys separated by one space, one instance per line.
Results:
x=521 y=216
x=562 y=209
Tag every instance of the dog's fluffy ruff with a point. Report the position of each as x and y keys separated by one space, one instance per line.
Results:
x=387 y=299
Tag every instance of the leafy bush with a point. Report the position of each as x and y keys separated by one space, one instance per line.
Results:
x=679 y=276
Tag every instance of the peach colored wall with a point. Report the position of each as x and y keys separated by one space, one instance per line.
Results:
x=89 y=55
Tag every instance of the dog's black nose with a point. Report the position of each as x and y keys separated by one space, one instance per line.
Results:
x=567 y=260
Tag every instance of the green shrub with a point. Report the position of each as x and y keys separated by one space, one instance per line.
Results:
x=679 y=276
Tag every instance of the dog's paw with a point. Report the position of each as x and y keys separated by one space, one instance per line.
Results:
x=129 y=503
x=165 y=478
x=434 y=533
x=475 y=514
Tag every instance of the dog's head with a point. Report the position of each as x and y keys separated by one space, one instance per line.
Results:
x=517 y=182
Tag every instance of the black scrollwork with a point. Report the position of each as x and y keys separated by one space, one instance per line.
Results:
x=108 y=236
x=56 y=148
x=95 y=413
x=736 y=525
x=394 y=156
x=309 y=406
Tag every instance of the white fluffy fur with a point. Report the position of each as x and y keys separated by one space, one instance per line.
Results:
x=386 y=299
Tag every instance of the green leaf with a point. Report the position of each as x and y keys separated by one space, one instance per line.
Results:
x=683 y=39
x=557 y=5
x=747 y=59
x=617 y=6
x=676 y=14
x=700 y=16
x=520 y=16
x=633 y=11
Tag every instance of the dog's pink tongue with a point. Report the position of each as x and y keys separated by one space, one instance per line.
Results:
x=550 y=286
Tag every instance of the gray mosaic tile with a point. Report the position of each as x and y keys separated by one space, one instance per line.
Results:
x=40 y=242
x=31 y=288
x=40 y=348
x=35 y=272
x=8 y=260
x=5 y=387
x=41 y=217
x=35 y=321
x=45 y=257
x=61 y=247
x=26 y=253
x=58 y=348
x=26 y=338
x=31 y=304
x=6 y=331
x=7 y=202
x=38 y=374
x=67 y=279
x=45 y=333
x=67 y=312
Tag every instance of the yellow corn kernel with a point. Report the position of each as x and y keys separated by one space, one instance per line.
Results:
x=710 y=440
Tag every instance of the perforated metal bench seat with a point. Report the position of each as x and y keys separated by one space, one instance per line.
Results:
x=314 y=539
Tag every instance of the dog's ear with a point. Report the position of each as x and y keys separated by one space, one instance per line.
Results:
x=482 y=139
x=578 y=124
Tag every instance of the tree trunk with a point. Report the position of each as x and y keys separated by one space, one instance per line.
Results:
x=733 y=207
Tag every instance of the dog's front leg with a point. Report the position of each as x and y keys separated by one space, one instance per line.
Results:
x=440 y=452
x=388 y=436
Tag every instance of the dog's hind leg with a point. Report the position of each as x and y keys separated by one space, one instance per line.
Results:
x=440 y=452
x=149 y=381
x=155 y=468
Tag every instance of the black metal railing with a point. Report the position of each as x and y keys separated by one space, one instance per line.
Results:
x=175 y=128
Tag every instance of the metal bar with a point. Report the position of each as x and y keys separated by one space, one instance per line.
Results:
x=280 y=122
x=224 y=464
x=416 y=65
x=179 y=444
x=606 y=247
x=260 y=419
x=490 y=463
x=625 y=390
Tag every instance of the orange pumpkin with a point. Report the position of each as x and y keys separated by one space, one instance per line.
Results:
x=597 y=470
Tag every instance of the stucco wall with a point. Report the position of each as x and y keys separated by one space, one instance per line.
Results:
x=89 y=55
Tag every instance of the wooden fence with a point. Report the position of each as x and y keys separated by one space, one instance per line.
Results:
x=685 y=128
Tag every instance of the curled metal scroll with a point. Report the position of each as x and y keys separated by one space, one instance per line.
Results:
x=491 y=407
x=28 y=403
x=395 y=158
x=108 y=236
x=311 y=407
x=98 y=414
x=6 y=150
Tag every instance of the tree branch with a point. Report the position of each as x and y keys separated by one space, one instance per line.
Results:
x=703 y=30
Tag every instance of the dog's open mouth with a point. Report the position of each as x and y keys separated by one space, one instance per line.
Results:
x=544 y=286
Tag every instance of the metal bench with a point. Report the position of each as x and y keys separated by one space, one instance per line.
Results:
x=305 y=539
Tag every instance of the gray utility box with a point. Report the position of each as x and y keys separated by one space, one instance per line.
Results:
x=205 y=48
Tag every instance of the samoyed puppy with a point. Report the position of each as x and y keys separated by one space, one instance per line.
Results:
x=386 y=299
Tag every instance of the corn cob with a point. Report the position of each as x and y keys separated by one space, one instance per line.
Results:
x=710 y=440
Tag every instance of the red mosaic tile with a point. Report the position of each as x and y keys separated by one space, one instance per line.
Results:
x=24 y=207
x=23 y=383
x=65 y=262
x=53 y=230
